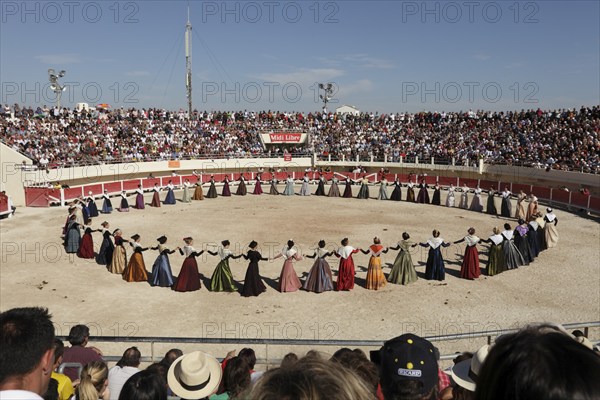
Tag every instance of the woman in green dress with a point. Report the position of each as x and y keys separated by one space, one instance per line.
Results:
x=496 y=263
x=403 y=271
x=222 y=278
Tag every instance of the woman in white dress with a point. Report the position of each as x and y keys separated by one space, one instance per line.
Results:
x=186 y=192
x=450 y=199
x=476 y=202
x=464 y=197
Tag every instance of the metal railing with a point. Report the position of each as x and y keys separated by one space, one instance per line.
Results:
x=310 y=343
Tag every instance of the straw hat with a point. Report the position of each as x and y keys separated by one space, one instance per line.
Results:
x=466 y=372
x=194 y=375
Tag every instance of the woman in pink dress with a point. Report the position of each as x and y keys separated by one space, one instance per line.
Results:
x=288 y=280
x=346 y=269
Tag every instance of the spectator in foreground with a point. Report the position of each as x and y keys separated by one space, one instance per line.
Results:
x=465 y=374
x=311 y=378
x=194 y=375
x=539 y=362
x=65 y=385
x=78 y=352
x=236 y=379
x=93 y=384
x=26 y=353
x=144 y=385
x=126 y=367
x=171 y=356
x=408 y=369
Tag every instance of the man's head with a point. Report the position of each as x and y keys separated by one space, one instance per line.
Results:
x=408 y=368
x=59 y=351
x=79 y=335
x=26 y=349
x=131 y=358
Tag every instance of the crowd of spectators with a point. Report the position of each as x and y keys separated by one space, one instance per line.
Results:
x=560 y=139
x=537 y=362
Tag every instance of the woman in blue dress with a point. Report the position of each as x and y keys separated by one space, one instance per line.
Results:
x=305 y=189
x=289 y=186
x=105 y=254
x=107 y=204
x=435 y=269
x=161 y=269
x=73 y=236
x=91 y=205
x=170 y=198
x=319 y=277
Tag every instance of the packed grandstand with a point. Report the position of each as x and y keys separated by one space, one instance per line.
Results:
x=564 y=139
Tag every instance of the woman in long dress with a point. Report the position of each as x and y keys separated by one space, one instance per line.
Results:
x=490 y=207
x=226 y=192
x=496 y=263
x=212 y=190
x=187 y=198
x=136 y=268
x=464 y=197
x=273 y=190
x=383 y=190
x=346 y=269
x=532 y=209
x=305 y=189
x=363 y=193
x=253 y=284
x=550 y=232
x=506 y=207
x=375 y=277
x=321 y=186
x=521 y=212
x=106 y=204
x=257 y=186
x=348 y=188
x=73 y=235
x=334 y=189
x=470 y=266
x=189 y=277
x=289 y=186
x=476 y=203
x=124 y=203
x=162 y=274
x=81 y=214
x=423 y=196
x=450 y=199
x=521 y=241
x=512 y=256
x=170 y=197
x=288 y=279
x=397 y=192
x=319 y=278
x=435 y=269
x=241 y=189
x=532 y=238
x=155 y=196
x=436 y=200
x=541 y=232
x=139 y=198
x=222 y=278
x=107 y=247
x=91 y=205
x=86 y=248
x=119 y=258
x=410 y=192
x=403 y=270
x=198 y=193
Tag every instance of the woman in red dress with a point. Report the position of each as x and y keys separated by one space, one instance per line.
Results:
x=86 y=248
x=470 y=264
x=346 y=269
x=189 y=277
x=257 y=186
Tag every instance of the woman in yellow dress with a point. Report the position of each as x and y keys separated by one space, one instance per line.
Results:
x=375 y=277
x=136 y=269
x=119 y=257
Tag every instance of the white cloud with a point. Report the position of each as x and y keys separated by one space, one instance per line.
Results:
x=303 y=76
x=367 y=61
x=359 y=87
x=60 y=59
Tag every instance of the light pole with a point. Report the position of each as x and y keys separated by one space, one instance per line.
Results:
x=328 y=88
x=56 y=87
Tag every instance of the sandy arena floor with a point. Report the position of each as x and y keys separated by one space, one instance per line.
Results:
x=562 y=285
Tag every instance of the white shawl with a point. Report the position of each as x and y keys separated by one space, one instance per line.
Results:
x=497 y=239
x=345 y=251
x=508 y=234
x=434 y=243
x=472 y=240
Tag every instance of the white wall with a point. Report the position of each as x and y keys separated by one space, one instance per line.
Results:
x=11 y=174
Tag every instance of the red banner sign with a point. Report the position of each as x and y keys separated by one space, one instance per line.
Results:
x=287 y=157
x=285 y=137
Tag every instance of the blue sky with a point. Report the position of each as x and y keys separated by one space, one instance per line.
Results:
x=385 y=56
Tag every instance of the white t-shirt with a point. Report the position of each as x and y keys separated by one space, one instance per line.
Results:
x=19 y=395
x=117 y=376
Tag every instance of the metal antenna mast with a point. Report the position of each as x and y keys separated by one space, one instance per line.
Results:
x=188 y=63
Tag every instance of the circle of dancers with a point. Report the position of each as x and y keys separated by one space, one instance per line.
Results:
x=508 y=249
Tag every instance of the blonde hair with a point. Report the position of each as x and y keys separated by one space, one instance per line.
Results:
x=496 y=230
x=93 y=378
x=311 y=378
